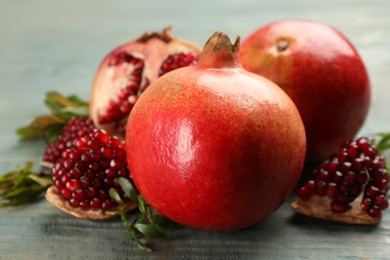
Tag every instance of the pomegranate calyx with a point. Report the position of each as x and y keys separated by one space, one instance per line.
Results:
x=219 y=52
x=53 y=197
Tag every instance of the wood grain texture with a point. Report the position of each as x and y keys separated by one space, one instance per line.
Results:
x=51 y=45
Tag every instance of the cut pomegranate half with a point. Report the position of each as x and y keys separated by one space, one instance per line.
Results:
x=126 y=72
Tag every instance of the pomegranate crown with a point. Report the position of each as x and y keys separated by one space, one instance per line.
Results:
x=219 y=52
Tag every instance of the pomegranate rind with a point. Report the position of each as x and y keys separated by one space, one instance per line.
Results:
x=319 y=207
x=53 y=197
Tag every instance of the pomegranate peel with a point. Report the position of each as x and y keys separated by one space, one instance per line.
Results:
x=54 y=198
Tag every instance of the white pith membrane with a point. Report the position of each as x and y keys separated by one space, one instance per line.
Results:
x=319 y=207
x=64 y=205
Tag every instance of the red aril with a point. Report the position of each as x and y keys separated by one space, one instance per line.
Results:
x=322 y=72
x=213 y=146
x=127 y=71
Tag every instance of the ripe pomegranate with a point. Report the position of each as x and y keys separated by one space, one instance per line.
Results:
x=351 y=186
x=84 y=174
x=322 y=72
x=213 y=146
x=129 y=69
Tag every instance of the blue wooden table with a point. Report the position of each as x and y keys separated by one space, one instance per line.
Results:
x=52 y=45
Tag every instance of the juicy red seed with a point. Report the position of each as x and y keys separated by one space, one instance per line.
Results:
x=337 y=176
x=350 y=177
x=366 y=204
x=331 y=167
x=66 y=193
x=73 y=184
x=321 y=188
x=382 y=202
x=358 y=164
x=75 y=173
x=91 y=192
x=323 y=176
x=78 y=195
x=331 y=190
x=361 y=177
x=352 y=152
x=85 y=205
x=343 y=186
x=107 y=204
x=107 y=152
x=339 y=207
x=345 y=166
x=372 y=192
x=95 y=203
x=303 y=193
x=178 y=60
x=75 y=203
x=374 y=211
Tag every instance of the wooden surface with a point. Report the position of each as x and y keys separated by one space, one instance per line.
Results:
x=52 y=45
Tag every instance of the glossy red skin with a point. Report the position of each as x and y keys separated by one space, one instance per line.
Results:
x=323 y=74
x=216 y=150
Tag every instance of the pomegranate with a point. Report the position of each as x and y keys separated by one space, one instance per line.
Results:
x=213 y=146
x=128 y=70
x=351 y=186
x=84 y=174
x=322 y=72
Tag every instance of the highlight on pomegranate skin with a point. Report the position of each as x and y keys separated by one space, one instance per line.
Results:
x=351 y=186
x=127 y=71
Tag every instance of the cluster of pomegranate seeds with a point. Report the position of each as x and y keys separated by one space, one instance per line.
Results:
x=84 y=174
x=356 y=170
x=76 y=127
x=178 y=60
x=121 y=104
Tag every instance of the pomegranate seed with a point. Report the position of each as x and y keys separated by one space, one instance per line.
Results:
x=339 y=207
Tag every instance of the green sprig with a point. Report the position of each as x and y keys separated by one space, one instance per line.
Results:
x=22 y=186
x=49 y=126
x=145 y=223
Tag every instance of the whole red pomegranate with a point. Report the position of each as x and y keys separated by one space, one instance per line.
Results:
x=320 y=69
x=129 y=69
x=213 y=146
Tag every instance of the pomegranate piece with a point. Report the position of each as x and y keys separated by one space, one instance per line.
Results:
x=128 y=70
x=75 y=127
x=351 y=186
x=84 y=174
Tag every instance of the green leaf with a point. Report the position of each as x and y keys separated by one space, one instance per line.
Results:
x=115 y=195
x=149 y=230
x=127 y=188
x=69 y=112
x=22 y=186
x=141 y=205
